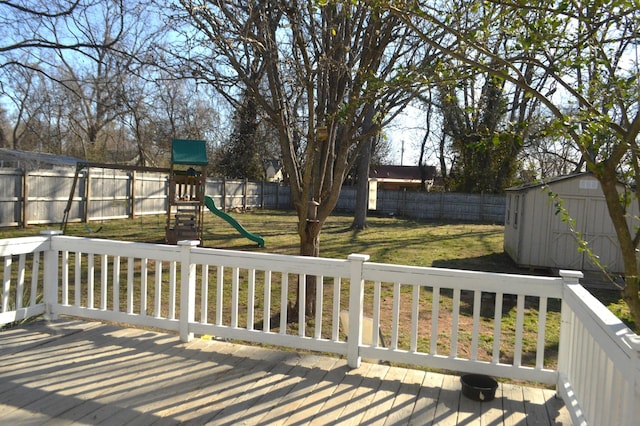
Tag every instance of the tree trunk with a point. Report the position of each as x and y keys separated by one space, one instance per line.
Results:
x=443 y=164
x=362 y=183
x=362 y=186
x=309 y=246
x=631 y=292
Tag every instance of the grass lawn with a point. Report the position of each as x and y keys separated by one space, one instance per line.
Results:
x=387 y=240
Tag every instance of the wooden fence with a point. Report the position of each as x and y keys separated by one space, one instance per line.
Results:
x=40 y=197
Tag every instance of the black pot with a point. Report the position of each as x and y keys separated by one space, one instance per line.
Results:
x=478 y=387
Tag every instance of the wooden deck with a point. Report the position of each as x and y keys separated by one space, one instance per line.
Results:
x=74 y=372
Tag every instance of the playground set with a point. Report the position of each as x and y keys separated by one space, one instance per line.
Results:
x=187 y=200
x=187 y=182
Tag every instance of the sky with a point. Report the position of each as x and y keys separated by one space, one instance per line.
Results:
x=406 y=131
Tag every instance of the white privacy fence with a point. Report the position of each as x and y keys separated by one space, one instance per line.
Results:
x=497 y=324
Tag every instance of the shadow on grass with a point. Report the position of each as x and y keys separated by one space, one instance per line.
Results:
x=494 y=262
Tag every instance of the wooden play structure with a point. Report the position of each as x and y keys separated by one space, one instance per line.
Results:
x=186 y=193
x=187 y=181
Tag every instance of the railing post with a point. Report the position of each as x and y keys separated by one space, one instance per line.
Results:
x=565 y=349
x=50 y=277
x=634 y=413
x=356 y=302
x=187 y=288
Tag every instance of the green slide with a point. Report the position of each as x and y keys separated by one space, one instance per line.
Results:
x=208 y=201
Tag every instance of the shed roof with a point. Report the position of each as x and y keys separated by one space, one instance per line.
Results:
x=401 y=173
x=189 y=152
x=28 y=159
x=540 y=183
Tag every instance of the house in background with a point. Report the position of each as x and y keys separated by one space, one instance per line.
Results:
x=273 y=171
x=535 y=235
x=402 y=177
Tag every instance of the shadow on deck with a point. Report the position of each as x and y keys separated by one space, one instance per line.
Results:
x=79 y=372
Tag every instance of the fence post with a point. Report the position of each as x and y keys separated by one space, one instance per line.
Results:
x=224 y=195
x=132 y=191
x=187 y=288
x=245 y=183
x=87 y=196
x=24 y=189
x=356 y=302
x=262 y=194
x=50 y=277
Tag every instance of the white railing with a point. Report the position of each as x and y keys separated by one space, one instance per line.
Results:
x=501 y=310
x=487 y=323
x=599 y=363
x=22 y=290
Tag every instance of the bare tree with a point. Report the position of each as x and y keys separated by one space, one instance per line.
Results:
x=25 y=83
x=37 y=111
x=4 y=127
x=324 y=66
x=32 y=28
x=100 y=78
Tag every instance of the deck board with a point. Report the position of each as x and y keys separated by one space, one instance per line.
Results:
x=72 y=372
x=424 y=410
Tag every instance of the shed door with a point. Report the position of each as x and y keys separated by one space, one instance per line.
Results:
x=602 y=237
x=564 y=247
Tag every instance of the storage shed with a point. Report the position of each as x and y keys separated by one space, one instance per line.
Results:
x=535 y=235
